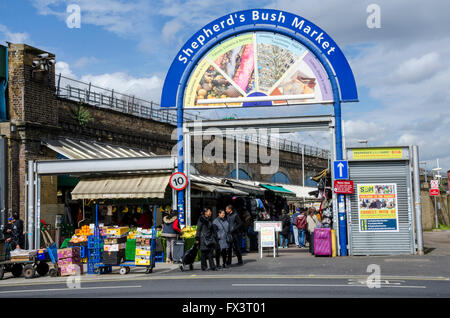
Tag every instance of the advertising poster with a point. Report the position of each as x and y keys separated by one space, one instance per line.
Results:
x=267 y=237
x=241 y=70
x=377 y=207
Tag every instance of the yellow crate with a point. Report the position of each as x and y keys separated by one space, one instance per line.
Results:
x=141 y=252
x=117 y=230
x=142 y=262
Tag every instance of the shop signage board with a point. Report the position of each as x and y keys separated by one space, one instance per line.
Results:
x=340 y=169
x=343 y=186
x=434 y=192
x=178 y=181
x=232 y=55
x=377 y=153
x=276 y=225
x=377 y=207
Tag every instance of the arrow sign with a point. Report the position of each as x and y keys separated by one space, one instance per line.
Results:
x=340 y=169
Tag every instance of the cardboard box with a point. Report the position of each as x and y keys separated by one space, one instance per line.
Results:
x=142 y=252
x=119 y=231
x=71 y=269
x=113 y=258
x=68 y=261
x=111 y=241
x=142 y=260
x=114 y=247
x=70 y=252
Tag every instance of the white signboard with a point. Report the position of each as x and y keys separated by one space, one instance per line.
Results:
x=276 y=225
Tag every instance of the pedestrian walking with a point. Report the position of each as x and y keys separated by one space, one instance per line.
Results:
x=235 y=229
x=301 y=224
x=312 y=222
x=170 y=232
x=224 y=238
x=285 y=229
x=294 y=228
x=207 y=239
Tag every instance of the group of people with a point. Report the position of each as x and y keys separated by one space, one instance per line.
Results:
x=13 y=234
x=303 y=221
x=219 y=237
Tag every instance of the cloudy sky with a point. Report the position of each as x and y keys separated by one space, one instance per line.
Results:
x=402 y=69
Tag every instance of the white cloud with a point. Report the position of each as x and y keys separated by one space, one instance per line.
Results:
x=82 y=62
x=13 y=37
x=148 y=88
x=416 y=69
x=63 y=68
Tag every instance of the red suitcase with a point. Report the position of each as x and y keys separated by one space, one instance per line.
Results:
x=322 y=242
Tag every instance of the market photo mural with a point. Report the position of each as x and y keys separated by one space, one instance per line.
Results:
x=257 y=69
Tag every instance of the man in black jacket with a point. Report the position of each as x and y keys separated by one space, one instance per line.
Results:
x=235 y=229
x=18 y=230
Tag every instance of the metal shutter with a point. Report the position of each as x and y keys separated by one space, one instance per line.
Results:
x=366 y=243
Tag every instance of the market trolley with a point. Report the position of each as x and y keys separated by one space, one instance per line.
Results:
x=26 y=267
x=125 y=267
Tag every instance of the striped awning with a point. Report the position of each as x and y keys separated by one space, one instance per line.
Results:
x=142 y=186
x=278 y=189
x=82 y=149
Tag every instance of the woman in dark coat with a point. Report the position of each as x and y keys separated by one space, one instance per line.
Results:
x=285 y=229
x=207 y=239
x=222 y=229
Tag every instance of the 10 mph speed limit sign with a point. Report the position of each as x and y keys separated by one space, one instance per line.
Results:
x=178 y=181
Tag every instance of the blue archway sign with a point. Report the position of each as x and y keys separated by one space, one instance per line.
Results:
x=296 y=27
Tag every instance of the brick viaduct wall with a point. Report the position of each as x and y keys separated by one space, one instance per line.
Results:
x=36 y=113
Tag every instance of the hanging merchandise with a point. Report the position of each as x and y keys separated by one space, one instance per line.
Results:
x=114 y=210
x=125 y=210
x=139 y=209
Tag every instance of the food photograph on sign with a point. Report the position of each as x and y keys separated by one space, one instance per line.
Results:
x=377 y=207
x=257 y=69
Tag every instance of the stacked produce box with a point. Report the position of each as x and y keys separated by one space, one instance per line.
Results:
x=69 y=261
x=114 y=245
x=143 y=247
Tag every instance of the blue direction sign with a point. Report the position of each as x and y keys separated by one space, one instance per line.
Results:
x=340 y=169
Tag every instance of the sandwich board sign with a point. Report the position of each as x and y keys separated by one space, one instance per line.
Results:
x=267 y=239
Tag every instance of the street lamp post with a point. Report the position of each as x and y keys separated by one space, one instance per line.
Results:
x=424 y=163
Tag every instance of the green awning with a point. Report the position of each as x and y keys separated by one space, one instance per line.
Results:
x=278 y=189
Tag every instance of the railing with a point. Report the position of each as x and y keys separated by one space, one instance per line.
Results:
x=100 y=97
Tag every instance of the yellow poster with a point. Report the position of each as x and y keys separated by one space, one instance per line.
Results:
x=377 y=206
x=377 y=153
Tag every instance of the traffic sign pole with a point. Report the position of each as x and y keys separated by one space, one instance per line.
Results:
x=341 y=173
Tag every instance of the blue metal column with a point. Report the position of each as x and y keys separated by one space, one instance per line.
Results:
x=341 y=197
x=180 y=203
x=3 y=84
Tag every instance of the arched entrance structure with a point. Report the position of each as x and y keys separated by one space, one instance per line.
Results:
x=260 y=57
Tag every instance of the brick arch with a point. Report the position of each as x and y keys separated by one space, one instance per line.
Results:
x=284 y=176
x=232 y=174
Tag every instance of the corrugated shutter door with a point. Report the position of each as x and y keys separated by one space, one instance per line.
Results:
x=370 y=243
